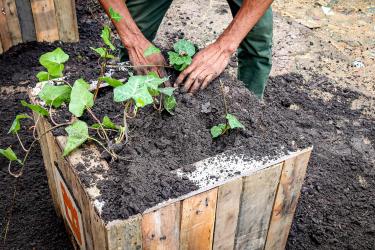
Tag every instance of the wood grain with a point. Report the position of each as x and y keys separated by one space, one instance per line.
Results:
x=14 y=28
x=257 y=199
x=26 y=20
x=197 y=221
x=66 y=20
x=45 y=20
x=161 y=228
x=6 y=39
x=125 y=234
x=288 y=192
x=227 y=210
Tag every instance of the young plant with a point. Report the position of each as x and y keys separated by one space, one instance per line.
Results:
x=231 y=121
x=182 y=55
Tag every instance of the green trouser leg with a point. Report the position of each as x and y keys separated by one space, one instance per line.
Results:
x=148 y=15
x=254 y=53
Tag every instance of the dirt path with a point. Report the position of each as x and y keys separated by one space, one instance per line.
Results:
x=336 y=210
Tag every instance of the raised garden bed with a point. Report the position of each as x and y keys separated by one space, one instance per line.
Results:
x=238 y=191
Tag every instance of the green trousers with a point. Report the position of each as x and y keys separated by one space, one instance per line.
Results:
x=254 y=53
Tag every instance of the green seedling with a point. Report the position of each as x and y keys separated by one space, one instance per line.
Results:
x=182 y=55
x=220 y=129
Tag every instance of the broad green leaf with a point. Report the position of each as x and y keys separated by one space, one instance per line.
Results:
x=169 y=103
x=106 y=36
x=42 y=76
x=9 y=154
x=134 y=89
x=184 y=47
x=55 y=95
x=16 y=125
x=167 y=91
x=111 y=81
x=102 y=52
x=107 y=123
x=54 y=62
x=179 y=62
x=234 y=122
x=115 y=15
x=80 y=98
x=34 y=107
x=218 y=130
x=78 y=133
x=151 y=50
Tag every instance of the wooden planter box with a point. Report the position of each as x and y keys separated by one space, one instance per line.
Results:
x=251 y=210
x=37 y=20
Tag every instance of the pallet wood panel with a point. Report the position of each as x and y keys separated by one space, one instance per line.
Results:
x=14 y=28
x=288 y=193
x=26 y=20
x=227 y=210
x=161 y=228
x=66 y=20
x=197 y=221
x=6 y=39
x=257 y=199
x=45 y=20
x=125 y=234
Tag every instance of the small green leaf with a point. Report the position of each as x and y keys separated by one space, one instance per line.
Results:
x=78 y=133
x=95 y=125
x=102 y=52
x=9 y=154
x=167 y=91
x=42 y=76
x=107 y=123
x=184 y=47
x=151 y=50
x=170 y=104
x=115 y=15
x=54 y=62
x=179 y=62
x=106 y=36
x=234 y=122
x=36 y=108
x=111 y=81
x=55 y=95
x=16 y=125
x=218 y=130
x=80 y=98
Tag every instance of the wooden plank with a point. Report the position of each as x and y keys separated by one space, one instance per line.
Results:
x=13 y=22
x=227 y=209
x=197 y=221
x=26 y=20
x=1 y=46
x=66 y=20
x=286 y=200
x=161 y=228
x=125 y=234
x=45 y=20
x=257 y=200
x=6 y=39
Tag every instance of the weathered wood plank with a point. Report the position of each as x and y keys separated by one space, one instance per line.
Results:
x=6 y=39
x=197 y=221
x=258 y=195
x=12 y=20
x=45 y=20
x=286 y=200
x=1 y=46
x=227 y=209
x=26 y=20
x=66 y=20
x=161 y=228
x=125 y=234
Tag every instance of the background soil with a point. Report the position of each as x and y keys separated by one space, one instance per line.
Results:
x=336 y=209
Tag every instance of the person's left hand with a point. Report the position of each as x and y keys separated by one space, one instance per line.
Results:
x=207 y=64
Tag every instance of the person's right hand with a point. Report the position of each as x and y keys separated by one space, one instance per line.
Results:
x=137 y=58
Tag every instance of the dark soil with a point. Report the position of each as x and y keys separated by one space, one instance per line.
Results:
x=337 y=206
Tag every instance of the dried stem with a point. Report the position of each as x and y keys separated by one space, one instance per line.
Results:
x=20 y=141
x=103 y=67
x=224 y=97
x=100 y=124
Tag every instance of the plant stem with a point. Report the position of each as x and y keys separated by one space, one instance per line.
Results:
x=100 y=124
x=224 y=97
x=104 y=147
x=19 y=140
x=103 y=67
x=140 y=66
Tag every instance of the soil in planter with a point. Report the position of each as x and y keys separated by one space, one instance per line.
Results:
x=160 y=143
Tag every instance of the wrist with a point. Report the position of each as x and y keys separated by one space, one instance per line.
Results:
x=133 y=41
x=227 y=44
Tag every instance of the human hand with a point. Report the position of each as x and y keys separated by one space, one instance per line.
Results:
x=207 y=64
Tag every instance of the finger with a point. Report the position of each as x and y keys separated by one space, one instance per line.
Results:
x=191 y=79
x=184 y=74
x=207 y=81
x=195 y=86
x=162 y=73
